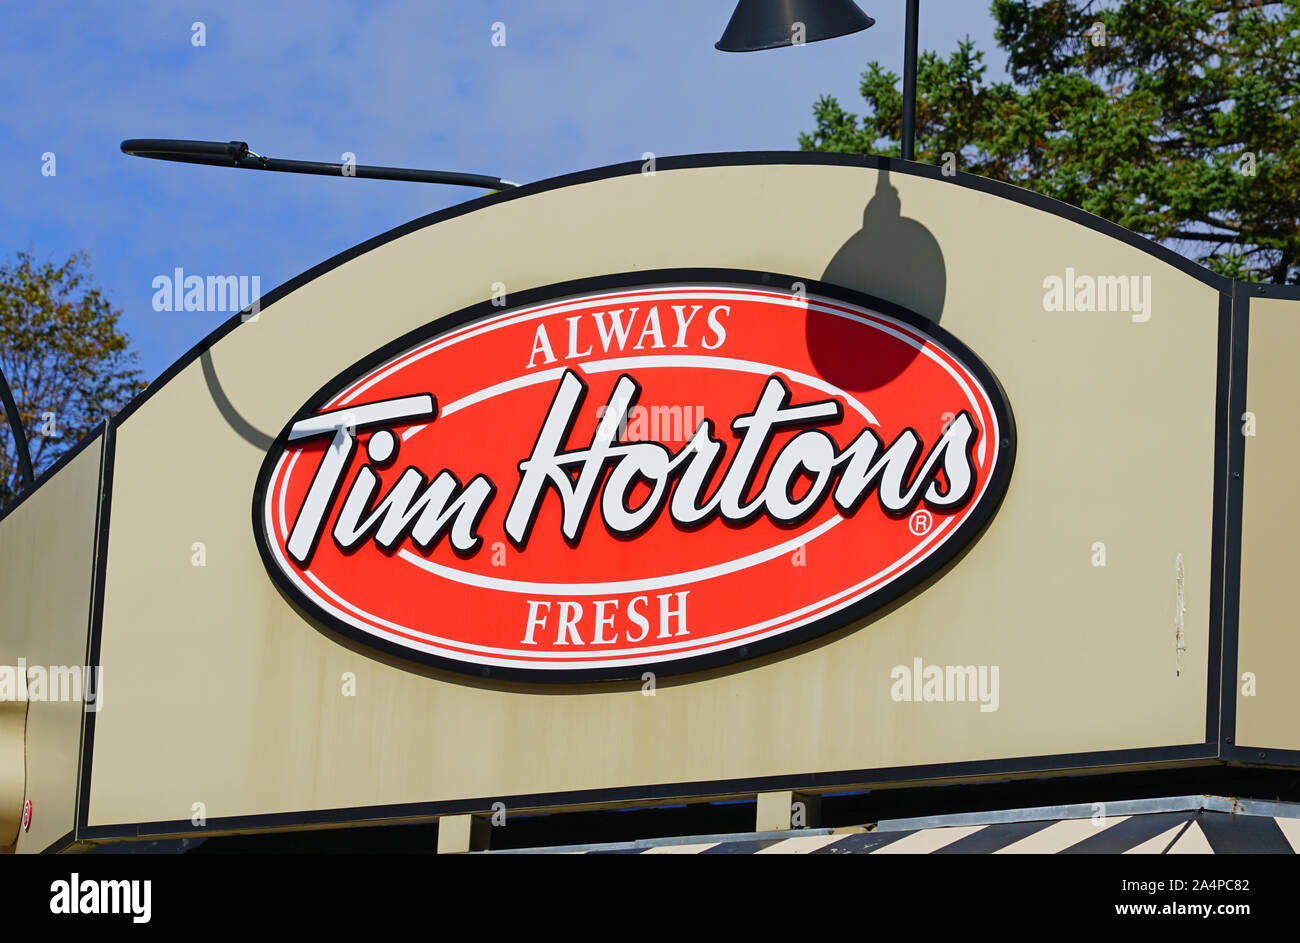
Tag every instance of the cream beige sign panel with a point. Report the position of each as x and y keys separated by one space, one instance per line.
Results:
x=230 y=699
x=1267 y=697
x=47 y=552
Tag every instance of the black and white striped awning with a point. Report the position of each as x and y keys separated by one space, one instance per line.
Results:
x=1184 y=825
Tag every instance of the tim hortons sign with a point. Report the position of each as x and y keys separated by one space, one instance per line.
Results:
x=656 y=472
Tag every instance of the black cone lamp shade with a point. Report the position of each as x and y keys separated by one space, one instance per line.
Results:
x=767 y=24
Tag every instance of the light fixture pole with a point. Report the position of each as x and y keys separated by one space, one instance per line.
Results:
x=769 y=24
x=909 y=81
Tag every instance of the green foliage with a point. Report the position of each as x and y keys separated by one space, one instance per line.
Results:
x=66 y=360
x=1181 y=125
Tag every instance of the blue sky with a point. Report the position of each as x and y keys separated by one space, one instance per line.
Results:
x=579 y=83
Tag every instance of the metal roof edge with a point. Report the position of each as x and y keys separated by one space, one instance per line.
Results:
x=1262 y=807
x=1126 y=807
x=646 y=843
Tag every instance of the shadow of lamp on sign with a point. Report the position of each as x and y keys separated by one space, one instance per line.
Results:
x=893 y=256
x=886 y=239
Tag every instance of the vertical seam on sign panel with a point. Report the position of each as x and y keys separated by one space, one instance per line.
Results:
x=1228 y=748
x=82 y=814
x=1219 y=522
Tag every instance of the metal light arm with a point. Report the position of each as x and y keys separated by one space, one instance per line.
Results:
x=237 y=154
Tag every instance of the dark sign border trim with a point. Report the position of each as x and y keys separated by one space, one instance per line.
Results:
x=962 y=538
x=1223 y=631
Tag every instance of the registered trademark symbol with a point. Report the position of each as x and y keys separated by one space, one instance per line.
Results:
x=920 y=522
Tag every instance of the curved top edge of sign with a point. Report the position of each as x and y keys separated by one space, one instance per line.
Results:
x=995 y=188
x=681 y=162
x=986 y=185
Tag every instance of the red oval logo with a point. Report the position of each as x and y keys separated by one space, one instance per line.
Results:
x=653 y=472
